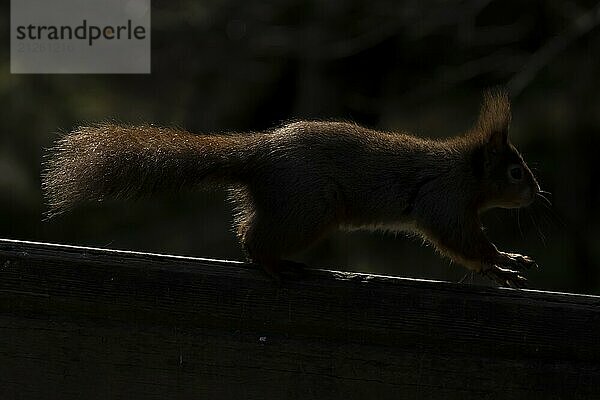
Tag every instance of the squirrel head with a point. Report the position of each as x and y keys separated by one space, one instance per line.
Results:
x=506 y=180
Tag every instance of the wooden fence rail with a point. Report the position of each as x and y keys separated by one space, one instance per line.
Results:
x=84 y=323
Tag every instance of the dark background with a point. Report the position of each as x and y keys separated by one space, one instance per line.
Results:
x=419 y=66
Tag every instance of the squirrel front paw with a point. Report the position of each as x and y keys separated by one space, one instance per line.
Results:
x=515 y=261
x=505 y=269
x=505 y=276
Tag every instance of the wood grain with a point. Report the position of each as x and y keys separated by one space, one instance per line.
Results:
x=83 y=323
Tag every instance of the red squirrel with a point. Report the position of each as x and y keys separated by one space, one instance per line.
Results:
x=294 y=184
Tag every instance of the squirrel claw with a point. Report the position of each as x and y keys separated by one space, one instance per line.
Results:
x=517 y=261
x=505 y=277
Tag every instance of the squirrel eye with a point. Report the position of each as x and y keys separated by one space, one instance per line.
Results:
x=515 y=172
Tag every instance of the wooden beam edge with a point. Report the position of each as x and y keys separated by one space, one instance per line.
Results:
x=21 y=249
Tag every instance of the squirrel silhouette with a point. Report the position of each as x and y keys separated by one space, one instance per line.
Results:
x=294 y=184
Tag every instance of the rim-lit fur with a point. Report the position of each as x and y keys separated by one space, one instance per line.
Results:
x=295 y=183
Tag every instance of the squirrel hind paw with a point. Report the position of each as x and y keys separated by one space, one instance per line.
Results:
x=292 y=270
x=280 y=270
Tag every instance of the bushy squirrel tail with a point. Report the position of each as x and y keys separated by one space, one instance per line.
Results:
x=112 y=160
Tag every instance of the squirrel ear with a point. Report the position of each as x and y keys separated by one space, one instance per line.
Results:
x=498 y=139
x=494 y=117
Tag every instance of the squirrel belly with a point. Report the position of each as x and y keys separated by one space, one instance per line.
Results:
x=292 y=185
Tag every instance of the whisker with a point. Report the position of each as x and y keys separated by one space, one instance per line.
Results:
x=519 y=223
x=557 y=218
x=550 y=209
x=542 y=237
x=544 y=218
x=546 y=200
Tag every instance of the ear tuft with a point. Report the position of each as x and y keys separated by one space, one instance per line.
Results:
x=494 y=117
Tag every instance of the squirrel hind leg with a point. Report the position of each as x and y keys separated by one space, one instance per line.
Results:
x=268 y=245
x=274 y=224
x=268 y=239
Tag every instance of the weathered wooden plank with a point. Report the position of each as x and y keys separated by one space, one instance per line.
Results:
x=92 y=323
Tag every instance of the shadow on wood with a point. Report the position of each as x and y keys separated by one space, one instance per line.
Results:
x=82 y=323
